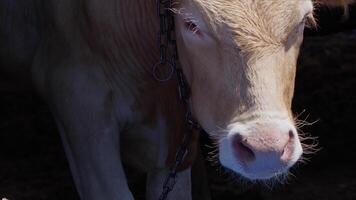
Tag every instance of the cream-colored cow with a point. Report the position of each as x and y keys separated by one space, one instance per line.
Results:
x=93 y=63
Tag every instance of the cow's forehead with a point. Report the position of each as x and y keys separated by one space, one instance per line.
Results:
x=265 y=21
x=263 y=8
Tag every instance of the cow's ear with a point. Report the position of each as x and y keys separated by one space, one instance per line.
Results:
x=335 y=3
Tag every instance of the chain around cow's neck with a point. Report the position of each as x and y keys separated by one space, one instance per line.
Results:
x=165 y=39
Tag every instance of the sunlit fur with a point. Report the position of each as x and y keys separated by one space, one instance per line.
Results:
x=251 y=30
x=250 y=23
x=242 y=70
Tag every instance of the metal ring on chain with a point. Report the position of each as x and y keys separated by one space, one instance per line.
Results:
x=165 y=40
x=155 y=71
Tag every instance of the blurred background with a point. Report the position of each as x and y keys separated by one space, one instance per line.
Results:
x=33 y=164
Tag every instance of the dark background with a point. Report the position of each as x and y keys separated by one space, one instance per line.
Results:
x=33 y=164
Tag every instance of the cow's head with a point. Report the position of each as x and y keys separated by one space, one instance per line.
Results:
x=240 y=58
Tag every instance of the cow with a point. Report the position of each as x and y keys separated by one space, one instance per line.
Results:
x=91 y=61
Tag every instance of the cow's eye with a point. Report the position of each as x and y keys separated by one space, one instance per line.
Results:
x=191 y=26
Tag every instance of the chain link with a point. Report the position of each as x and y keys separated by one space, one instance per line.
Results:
x=165 y=39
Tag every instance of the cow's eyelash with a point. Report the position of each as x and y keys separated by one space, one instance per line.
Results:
x=192 y=25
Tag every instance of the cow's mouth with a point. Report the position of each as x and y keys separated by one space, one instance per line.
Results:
x=260 y=151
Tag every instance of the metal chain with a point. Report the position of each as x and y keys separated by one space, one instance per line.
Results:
x=165 y=39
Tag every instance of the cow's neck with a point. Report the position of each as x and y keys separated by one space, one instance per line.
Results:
x=126 y=38
x=124 y=33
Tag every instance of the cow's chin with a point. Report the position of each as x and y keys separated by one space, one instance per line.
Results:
x=260 y=170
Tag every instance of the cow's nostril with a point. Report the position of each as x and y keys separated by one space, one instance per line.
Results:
x=244 y=153
x=288 y=148
x=291 y=134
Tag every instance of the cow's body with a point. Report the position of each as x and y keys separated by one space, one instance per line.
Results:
x=102 y=60
x=92 y=65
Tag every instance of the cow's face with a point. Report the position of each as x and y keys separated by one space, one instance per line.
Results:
x=239 y=58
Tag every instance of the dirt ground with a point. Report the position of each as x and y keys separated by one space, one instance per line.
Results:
x=33 y=164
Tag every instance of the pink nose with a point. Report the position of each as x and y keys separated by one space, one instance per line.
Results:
x=270 y=145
